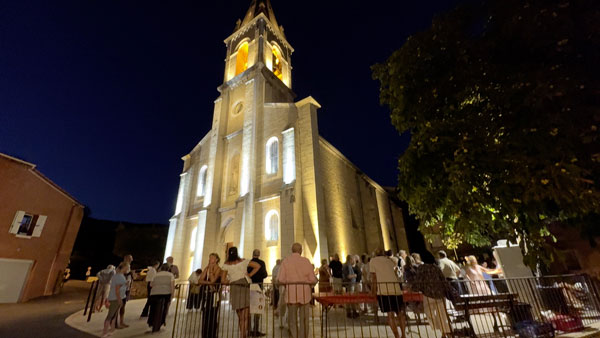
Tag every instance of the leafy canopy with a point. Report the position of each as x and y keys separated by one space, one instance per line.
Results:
x=502 y=103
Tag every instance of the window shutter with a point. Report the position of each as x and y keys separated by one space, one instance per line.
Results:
x=39 y=226
x=14 y=227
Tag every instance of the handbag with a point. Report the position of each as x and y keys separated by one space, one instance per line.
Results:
x=195 y=288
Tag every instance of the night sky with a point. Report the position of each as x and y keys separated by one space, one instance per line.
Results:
x=107 y=96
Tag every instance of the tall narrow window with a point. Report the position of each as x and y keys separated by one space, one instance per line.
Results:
x=272 y=226
x=272 y=152
x=201 y=190
x=277 y=64
x=193 y=240
x=241 y=61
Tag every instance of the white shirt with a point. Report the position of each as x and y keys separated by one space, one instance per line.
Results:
x=449 y=268
x=237 y=271
x=194 y=277
x=161 y=284
x=150 y=274
x=387 y=280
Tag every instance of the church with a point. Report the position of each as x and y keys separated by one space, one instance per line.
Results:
x=263 y=178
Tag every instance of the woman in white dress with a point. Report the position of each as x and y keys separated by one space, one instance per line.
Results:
x=235 y=273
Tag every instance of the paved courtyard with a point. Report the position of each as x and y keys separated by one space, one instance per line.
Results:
x=45 y=316
x=188 y=324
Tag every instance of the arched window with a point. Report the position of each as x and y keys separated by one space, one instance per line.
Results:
x=272 y=225
x=241 y=61
x=272 y=155
x=277 y=63
x=193 y=240
x=201 y=190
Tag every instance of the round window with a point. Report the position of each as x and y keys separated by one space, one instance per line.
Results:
x=237 y=109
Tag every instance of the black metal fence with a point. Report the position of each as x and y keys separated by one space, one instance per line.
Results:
x=528 y=307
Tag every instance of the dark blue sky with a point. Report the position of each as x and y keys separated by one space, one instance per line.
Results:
x=106 y=96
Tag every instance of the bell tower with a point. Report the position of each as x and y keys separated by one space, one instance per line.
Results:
x=258 y=39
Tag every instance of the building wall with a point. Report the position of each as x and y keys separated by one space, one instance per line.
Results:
x=21 y=188
x=359 y=214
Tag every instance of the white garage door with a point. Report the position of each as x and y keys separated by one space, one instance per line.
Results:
x=13 y=278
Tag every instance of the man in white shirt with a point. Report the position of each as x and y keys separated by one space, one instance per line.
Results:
x=450 y=269
x=149 y=278
x=386 y=286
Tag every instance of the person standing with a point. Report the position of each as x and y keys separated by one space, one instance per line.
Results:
x=474 y=273
x=257 y=278
x=172 y=267
x=357 y=267
x=163 y=286
x=149 y=277
x=235 y=273
x=104 y=278
x=129 y=276
x=386 y=286
x=336 y=273
x=297 y=274
x=274 y=274
x=417 y=258
x=430 y=281
x=402 y=260
x=116 y=295
x=210 y=279
x=194 y=293
x=450 y=270
x=349 y=280
x=324 y=277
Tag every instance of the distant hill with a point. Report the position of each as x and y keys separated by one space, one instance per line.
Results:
x=102 y=242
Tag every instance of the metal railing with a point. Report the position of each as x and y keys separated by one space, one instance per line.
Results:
x=90 y=303
x=499 y=307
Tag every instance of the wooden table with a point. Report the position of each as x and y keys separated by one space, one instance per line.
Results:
x=329 y=300
x=502 y=302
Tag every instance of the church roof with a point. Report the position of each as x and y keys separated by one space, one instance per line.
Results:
x=256 y=8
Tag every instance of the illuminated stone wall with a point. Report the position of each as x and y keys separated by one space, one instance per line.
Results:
x=358 y=212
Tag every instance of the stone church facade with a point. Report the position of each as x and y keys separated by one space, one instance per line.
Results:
x=263 y=177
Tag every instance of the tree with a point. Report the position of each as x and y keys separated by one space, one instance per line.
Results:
x=502 y=102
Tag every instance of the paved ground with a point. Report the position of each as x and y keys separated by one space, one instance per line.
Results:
x=45 y=317
x=137 y=326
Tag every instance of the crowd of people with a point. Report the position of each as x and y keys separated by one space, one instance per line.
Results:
x=114 y=290
x=296 y=282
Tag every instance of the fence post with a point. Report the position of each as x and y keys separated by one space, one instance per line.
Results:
x=93 y=299
x=177 y=294
x=87 y=302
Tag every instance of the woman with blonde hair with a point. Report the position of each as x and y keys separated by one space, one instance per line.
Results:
x=210 y=278
x=474 y=272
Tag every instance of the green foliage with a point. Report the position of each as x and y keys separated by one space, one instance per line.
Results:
x=502 y=103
